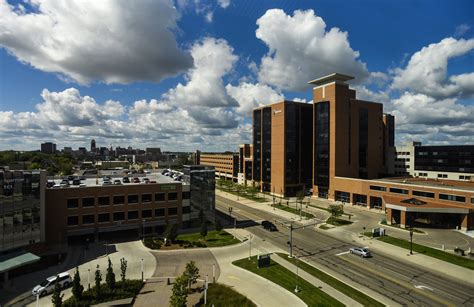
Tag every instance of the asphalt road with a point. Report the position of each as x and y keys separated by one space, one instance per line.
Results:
x=403 y=283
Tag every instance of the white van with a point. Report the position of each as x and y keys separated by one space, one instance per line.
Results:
x=47 y=286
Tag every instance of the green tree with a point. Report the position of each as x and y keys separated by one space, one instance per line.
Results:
x=336 y=210
x=203 y=230
x=110 y=276
x=171 y=232
x=57 y=298
x=98 y=279
x=123 y=269
x=77 y=288
x=191 y=272
x=218 y=226
x=179 y=293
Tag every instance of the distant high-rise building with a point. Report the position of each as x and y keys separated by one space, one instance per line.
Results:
x=93 y=146
x=48 y=148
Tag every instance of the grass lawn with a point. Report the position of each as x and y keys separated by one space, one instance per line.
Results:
x=310 y=294
x=335 y=283
x=244 y=194
x=122 y=290
x=221 y=295
x=428 y=251
x=294 y=211
x=213 y=239
x=326 y=209
x=337 y=222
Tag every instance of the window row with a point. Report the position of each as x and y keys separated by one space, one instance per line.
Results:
x=73 y=203
x=120 y=216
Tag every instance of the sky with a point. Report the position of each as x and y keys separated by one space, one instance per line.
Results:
x=184 y=75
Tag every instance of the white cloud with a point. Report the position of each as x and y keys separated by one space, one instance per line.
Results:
x=84 y=41
x=300 y=49
x=363 y=93
x=426 y=71
x=250 y=96
x=223 y=3
x=461 y=30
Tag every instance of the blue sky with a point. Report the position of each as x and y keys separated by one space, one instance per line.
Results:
x=131 y=75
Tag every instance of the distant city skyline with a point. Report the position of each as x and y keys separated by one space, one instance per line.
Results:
x=185 y=75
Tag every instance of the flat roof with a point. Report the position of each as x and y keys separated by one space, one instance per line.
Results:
x=331 y=78
x=420 y=204
x=17 y=260
x=433 y=183
x=94 y=182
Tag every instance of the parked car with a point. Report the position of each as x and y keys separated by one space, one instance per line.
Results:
x=360 y=251
x=145 y=180
x=64 y=183
x=136 y=180
x=50 y=184
x=269 y=226
x=76 y=182
x=117 y=181
x=47 y=286
x=126 y=180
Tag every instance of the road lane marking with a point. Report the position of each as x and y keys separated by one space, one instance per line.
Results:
x=343 y=253
x=423 y=287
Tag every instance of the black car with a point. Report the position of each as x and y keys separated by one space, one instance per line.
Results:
x=269 y=226
x=126 y=180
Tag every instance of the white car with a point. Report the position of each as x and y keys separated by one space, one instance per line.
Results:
x=360 y=251
x=47 y=286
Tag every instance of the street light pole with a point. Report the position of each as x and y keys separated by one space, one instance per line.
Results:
x=291 y=240
x=230 y=214
x=250 y=245
x=297 y=275
x=411 y=240
x=88 y=279
x=142 y=269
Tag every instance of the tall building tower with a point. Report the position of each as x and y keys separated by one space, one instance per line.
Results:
x=93 y=148
x=282 y=137
x=348 y=134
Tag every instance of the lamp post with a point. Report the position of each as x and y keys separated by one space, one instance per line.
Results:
x=142 y=269
x=297 y=275
x=363 y=232
x=411 y=240
x=230 y=214
x=89 y=279
x=250 y=245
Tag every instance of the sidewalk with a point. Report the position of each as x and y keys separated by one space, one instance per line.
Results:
x=341 y=297
x=258 y=289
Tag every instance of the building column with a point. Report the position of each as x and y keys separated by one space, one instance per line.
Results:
x=403 y=219
x=465 y=225
x=389 y=216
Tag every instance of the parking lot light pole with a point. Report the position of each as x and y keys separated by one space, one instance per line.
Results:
x=290 y=242
x=88 y=279
x=230 y=214
x=250 y=245
x=411 y=240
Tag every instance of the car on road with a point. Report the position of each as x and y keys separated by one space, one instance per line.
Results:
x=360 y=251
x=47 y=286
x=269 y=226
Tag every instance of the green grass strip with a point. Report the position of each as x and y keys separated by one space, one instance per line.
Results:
x=335 y=283
x=294 y=211
x=428 y=251
x=213 y=239
x=310 y=294
x=221 y=295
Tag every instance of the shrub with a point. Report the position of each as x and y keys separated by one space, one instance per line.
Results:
x=77 y=288
x=123 y=269
x=218 y=226
x=110 y=276
x=57 y=298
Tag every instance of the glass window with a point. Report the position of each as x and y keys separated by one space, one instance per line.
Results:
x=119 y=199
x=160 y=197
x=104 y=217
x=399 y=191
x=88 y=219
x=378 y=188
x=452 y=197
x=186 y=195
x=132 y=215
x=146 y=213
x=72 y=203
x=146 y=198
x=172 y=211
x=186 y=209
x=424 y=194
x=119 y=216
x=160 y=212
x=172 y=196
x=88 y=202
x=72 y=220
x=104 y=200
x=132 y=199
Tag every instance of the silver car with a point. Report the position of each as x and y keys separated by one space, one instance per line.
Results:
x=360 y=251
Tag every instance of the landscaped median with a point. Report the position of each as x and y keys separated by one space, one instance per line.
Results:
x=428 y=251
x=221 y=295
x=281 y=276
x=293 y=210
x=335 y=283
